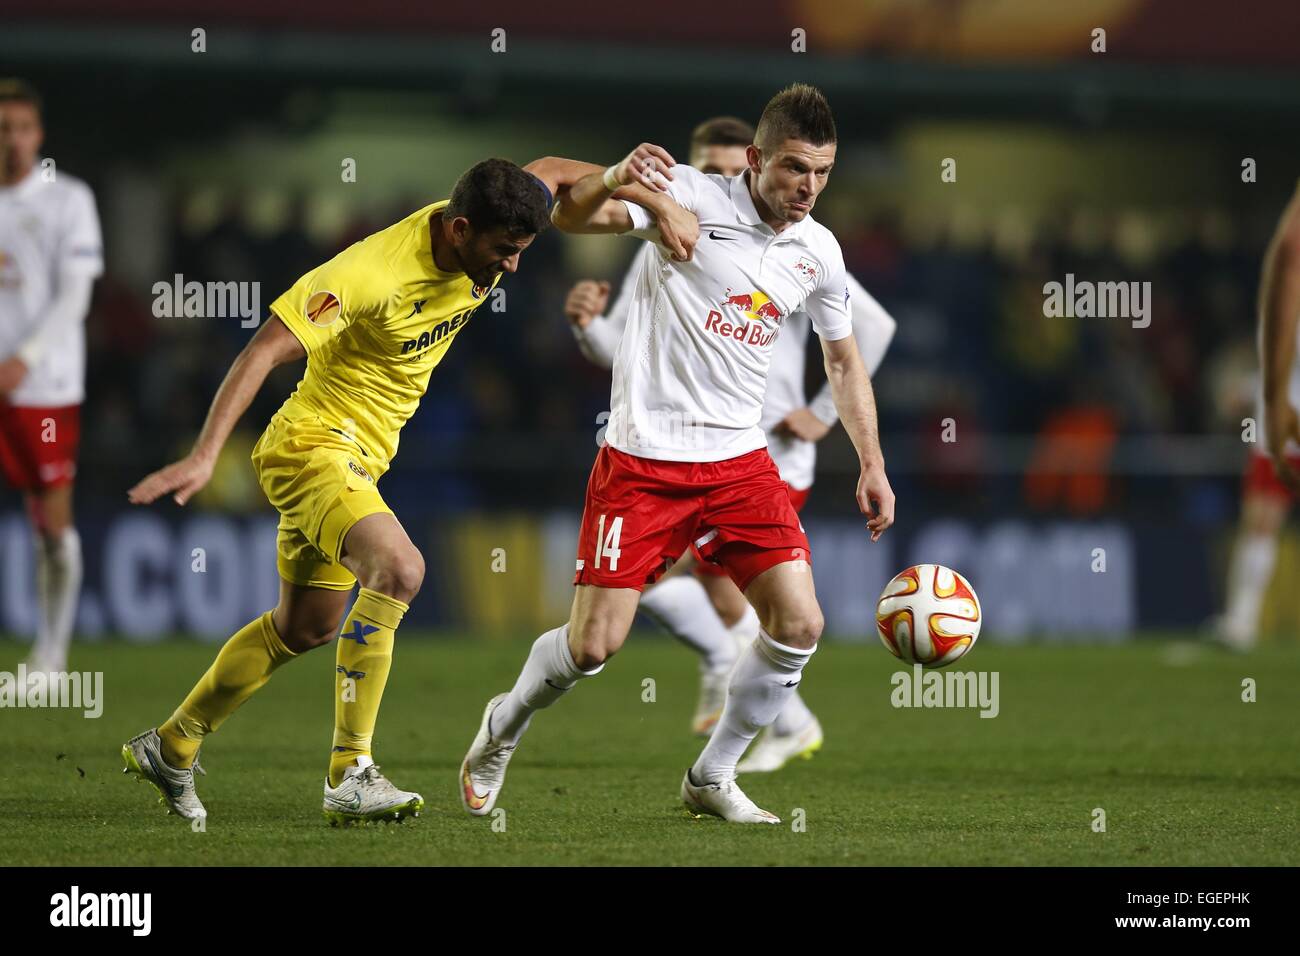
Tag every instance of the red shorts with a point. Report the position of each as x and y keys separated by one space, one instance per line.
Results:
x=38 y=446
x=641 y=514
x=704 y=568
x=1261 y=479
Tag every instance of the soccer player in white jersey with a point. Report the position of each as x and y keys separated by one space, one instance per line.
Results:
x=685 y=461
x=697 y=601
x=1272 y=478
x=50 y=255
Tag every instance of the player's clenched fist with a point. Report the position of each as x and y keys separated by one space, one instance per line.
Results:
x=803 y=424
x=876 y=499
x=585 y=301
x=648 y=166
x=184 y=478
x=680 y=230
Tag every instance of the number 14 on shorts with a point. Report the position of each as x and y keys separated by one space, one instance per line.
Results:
x=607 y=545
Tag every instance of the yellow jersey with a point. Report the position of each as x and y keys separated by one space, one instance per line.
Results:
x=375 y=320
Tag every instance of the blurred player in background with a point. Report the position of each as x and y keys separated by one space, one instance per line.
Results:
x=697 y=601
x=50 y=255
x=373 y=323
x=1272 y=475
x=685 y=462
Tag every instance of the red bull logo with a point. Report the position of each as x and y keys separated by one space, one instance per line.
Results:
x=744 y=301
x=756 y=310
x=755 y=306
x=807 y=270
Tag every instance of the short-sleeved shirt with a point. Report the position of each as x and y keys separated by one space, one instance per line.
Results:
x=691 y=369
x=375 y=320
x=796 y=458
x=49 y=234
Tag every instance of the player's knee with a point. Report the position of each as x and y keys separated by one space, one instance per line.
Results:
x=36 y=516
x=1265 y=521
x=398 y=575
x=591 y=654
x=598 y=642
x=305 y=633
x=800 y=629
x=304 y=637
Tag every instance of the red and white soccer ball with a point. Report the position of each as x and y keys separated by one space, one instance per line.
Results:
x=928 y=615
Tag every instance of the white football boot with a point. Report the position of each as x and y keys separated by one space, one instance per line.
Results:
x=143 y=757
x=483 y=771
x=1233 y=639
x=725 y=800
x=772 y=751
x=365 y=795
x=713 y=696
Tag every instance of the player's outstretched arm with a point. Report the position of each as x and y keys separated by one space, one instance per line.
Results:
x=641 y=177
x=857 y=407
x=558 y=173
x=273 y=345
x=583 y=206
x=1279 y=312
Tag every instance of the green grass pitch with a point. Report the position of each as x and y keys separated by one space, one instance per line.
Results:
x=1155 y=734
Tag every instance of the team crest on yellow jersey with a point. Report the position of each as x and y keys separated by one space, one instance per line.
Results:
x=359 y=471
x=323 y=308
x=480 y=290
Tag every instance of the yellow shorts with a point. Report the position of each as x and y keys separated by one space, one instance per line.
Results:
x=322 y=484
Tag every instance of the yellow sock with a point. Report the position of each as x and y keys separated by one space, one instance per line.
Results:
x=242 y=666
x=365 y=655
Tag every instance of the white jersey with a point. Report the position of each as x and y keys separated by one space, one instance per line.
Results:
x=691 y=369
x=796 y=458
x=49 y=237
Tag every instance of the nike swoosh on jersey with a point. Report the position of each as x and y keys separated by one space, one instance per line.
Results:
x=714 y=235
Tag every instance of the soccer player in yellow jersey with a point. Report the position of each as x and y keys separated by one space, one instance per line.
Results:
x=372 y=322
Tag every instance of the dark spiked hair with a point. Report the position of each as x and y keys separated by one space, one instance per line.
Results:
x=497 y=193
x=798 y=112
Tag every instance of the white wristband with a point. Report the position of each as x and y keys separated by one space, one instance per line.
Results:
x=611 y=183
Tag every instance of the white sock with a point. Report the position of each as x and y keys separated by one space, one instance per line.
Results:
x=683 y=607
x=58 y=585
x=548 y=674
x=1249 y=573
x=745 y=631
x=794 y=716
x=761 y=685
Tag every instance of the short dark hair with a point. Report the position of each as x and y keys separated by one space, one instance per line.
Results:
x=15 y=90
x=722 y=131
x=497 y=193
x=798 y=112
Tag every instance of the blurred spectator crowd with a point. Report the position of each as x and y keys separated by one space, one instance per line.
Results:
x=1052 y=414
